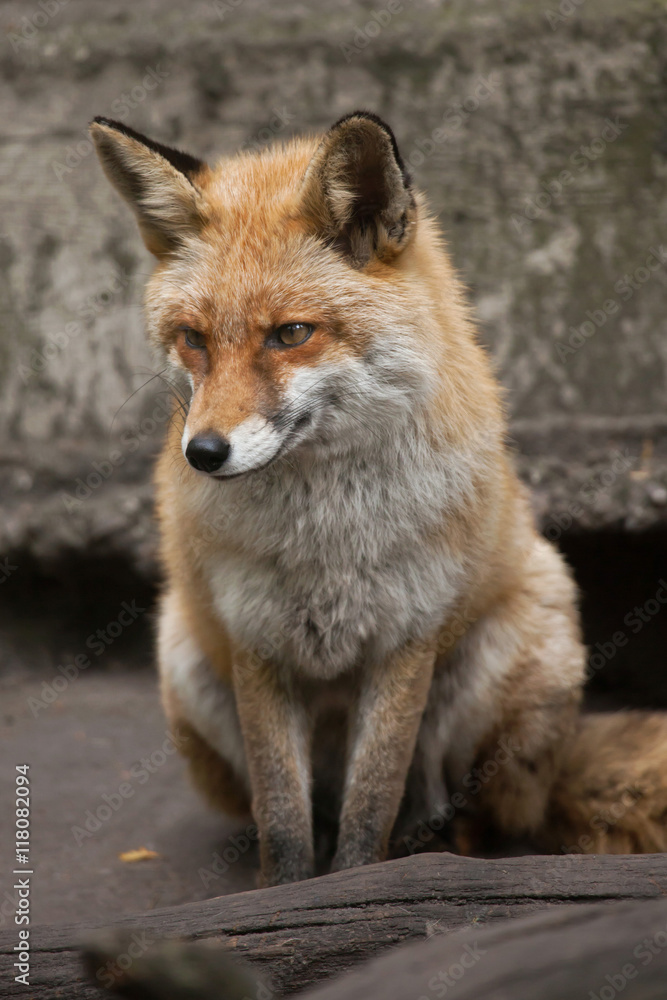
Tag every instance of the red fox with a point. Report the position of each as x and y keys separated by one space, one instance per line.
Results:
x=359 y=609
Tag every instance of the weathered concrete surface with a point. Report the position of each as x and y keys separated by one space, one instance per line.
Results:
x=548 y=175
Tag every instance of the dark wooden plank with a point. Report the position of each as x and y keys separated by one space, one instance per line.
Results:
x=300 y=934
x=576 y=953
x=573 y=952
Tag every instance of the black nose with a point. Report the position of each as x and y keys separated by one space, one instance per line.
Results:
x=207 y=452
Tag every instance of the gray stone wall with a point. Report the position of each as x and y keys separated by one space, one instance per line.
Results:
x=537 y=128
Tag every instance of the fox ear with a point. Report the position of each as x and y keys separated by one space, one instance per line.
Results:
x=357 y=191
x=159 y=183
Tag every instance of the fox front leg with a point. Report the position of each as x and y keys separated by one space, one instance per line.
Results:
x=276 y=735
x=384 y=732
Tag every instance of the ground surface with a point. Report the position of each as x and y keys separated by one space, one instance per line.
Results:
x=80 y=748
x=91 y=738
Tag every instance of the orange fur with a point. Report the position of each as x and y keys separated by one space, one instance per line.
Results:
x=381 y=543
x=610 y=796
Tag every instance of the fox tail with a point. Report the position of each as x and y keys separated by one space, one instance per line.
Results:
x=611 y=794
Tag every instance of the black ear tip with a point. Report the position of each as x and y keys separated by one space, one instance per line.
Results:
x=381 y=123
x=368 y=115
x=183 y=162
x=108 y=122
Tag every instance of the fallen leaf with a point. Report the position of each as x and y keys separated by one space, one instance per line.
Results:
x=140 y=854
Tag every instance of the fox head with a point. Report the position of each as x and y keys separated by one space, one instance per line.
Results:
x=286 y=296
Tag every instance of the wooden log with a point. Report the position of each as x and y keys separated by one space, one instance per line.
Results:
x=576 y=953
x=595 y=952
x=303 y=933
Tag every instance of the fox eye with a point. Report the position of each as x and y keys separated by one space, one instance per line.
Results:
x=292 y=334
x=193 y=338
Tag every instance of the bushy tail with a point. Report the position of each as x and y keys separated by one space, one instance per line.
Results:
x=611 y=795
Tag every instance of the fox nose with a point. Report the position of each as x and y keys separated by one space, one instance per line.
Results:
x=206 y=452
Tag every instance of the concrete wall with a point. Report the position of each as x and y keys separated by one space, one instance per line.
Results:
x=537 y=128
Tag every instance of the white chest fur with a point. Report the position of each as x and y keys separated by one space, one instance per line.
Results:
x=337 y=559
